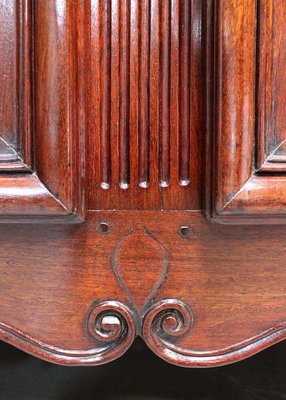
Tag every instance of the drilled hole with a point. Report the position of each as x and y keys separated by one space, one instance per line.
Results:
x=186 y=232
x=103 y=228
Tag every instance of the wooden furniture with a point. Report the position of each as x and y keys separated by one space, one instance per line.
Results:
x=142 y=178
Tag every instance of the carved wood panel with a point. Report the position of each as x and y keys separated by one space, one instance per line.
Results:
x=210 y=299
x=144 y=109
x=113 y=99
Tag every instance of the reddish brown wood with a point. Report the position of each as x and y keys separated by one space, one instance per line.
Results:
x=55 y=187
x=229 y=281
x=143 y=100
x=143 y=88
x=15 y=85
x=58 y=154
x=117 y=111
x=241 y=194
x=271 y=86
x=8 y=71
x=24 y=198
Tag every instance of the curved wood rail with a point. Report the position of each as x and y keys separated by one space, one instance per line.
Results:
x=110 y=323
x=172 y=318
x=158 y=328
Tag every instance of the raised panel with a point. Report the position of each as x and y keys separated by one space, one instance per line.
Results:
x=50 y=57
x=15 y=85
x=8 y=70
x=240 y=125
x=271 y=135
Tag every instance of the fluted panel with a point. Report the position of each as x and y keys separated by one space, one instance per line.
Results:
x=165 y=29
x=184 y=74
x=105 y=146
x=143 y=90
x=140 y=112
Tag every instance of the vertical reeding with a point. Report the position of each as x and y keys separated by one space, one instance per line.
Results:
x=124 y=131
x=164 y=162
x=144 y=53
x=106 y=95
x=184 y=101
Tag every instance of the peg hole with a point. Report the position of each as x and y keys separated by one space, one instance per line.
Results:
x=186 y=232
x=103 y=228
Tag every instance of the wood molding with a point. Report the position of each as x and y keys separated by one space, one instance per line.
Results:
x=52 y=189
x=114 y=328
x=194 y=303
x=239 y=193
x=176 y=320
x=271 y=155
x=111 y=324
x=19 y=157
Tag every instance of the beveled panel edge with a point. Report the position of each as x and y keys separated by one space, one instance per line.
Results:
x=21 y=157
x=55 y=192
x=235 y=193
x=24 y=198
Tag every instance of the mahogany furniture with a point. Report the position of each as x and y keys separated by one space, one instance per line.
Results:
x=142 y=178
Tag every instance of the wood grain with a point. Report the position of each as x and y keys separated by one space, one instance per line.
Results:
x=271 y=86
x=15 y=84
x=229 y=280
x=234 y=97
x=240 y=193
x=140 y=104
x=8 y=71
x=58 y=109
x=141 y=133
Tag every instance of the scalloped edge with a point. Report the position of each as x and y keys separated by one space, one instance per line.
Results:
x=169 y=353
x=91 y=357
x=208 y=359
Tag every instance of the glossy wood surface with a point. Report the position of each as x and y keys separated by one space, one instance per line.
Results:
x=137 y=109
x=53 y=157
x=271 y=86
x=143 y=148
x=15 y=84
x=219 y=292
x=8 y=71
x=241 y=193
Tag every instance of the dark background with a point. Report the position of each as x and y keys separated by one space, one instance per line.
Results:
x=141 y=375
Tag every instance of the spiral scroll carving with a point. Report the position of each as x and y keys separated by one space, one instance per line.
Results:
x=113 y=325
x=163 y=323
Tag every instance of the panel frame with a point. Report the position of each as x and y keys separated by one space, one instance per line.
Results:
x=273 y=161
x=239 y=194
x=53 y=190
x=21 y=159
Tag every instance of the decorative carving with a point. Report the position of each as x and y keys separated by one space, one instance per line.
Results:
x=172 y=318
x=140 y=263
x=112 y=323
x=166 y=320
x=135 y=30
x=144 y=68
x=162 y=323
